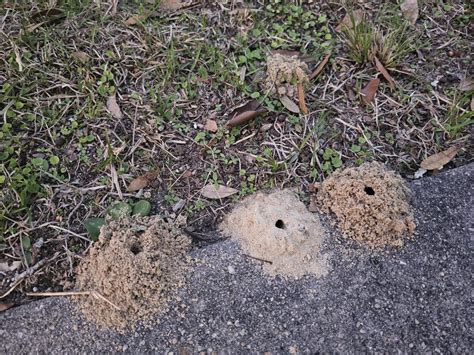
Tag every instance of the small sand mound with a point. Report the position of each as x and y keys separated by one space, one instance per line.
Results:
x=136 y=264
x=279 y=229
x=370 y=203
x=284 y=72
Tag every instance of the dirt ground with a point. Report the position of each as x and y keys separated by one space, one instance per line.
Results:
x=94 y=94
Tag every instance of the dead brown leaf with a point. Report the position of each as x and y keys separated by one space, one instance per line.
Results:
x=301 y=100
x=246 y=113
x=410 y=10
x=289 y=104
x=384 y=72
x=5 y=267
x=320 y=67
x=172 y=4
x=211 y=126
x=114 y=108
x=369 y=91
x=265 y=127
x=142 y=181
x=467 y=84
x=346 y=23
x=45 y=17
x=133 y=20
x=214 y=192
x=4 y=306
x=83 y=57
x=437 y=161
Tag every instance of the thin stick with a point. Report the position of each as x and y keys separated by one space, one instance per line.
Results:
x=73 y=293
x=70 y=232
x=58 y=294
x=99 y=296
x=320 y=67
x=262 y=260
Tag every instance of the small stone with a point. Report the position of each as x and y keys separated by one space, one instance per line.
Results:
x=231 y=270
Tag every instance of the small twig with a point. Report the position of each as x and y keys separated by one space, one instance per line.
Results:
x=259 y=259
x=28 y=272
x=70 y=232
x=73 y=293
x=320 y=67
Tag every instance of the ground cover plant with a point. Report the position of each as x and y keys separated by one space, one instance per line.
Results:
x=106 y=102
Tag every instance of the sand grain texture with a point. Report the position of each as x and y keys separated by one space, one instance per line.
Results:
x=136 y=264
x=371 y=204
x=278 y=228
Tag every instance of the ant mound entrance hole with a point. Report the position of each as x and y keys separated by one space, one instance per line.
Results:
x=386 y=220
x=369 y=191
x=295 y=249
x=136 y=248
x=139 y=273
x=280 y=224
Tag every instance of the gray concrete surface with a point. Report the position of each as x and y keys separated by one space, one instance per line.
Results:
x=417 y=299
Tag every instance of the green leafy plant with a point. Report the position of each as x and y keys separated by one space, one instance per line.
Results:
x=332 y=160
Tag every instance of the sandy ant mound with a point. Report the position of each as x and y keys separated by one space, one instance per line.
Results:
x=371 y=204
x=280 y=232
x=284 y=72
x=136 y=265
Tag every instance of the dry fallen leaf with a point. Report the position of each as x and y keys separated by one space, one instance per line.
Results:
x=368 y=93
x=347 y=22
x=467 y=84
x=45 y=17
x=437 y=161
x=4 y=306
x=114 y=108
x=4 y=267
x=211 y=126
x=410 y=10
x=142 y=181
x=289 y=104
x=265 y=127
x=133 y=20
x=214 y=192
x=83 y=57
x=172 y=4
x=246 y=113
x=384 y=72
x=301 y=99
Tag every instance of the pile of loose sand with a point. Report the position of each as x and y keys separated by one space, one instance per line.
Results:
x=371 y=204
x=136 y=264
x=284 y=72
x=279 y=229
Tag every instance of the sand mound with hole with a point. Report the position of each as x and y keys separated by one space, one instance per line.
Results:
x=278 y=229
x=284 y=72
x=136 y=264
x=371 y=204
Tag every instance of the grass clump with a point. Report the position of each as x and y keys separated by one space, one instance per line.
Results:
x=366 y=41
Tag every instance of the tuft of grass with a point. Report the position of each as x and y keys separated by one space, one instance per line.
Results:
x=366 y=41
x=459 y=116
x=359 y=39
